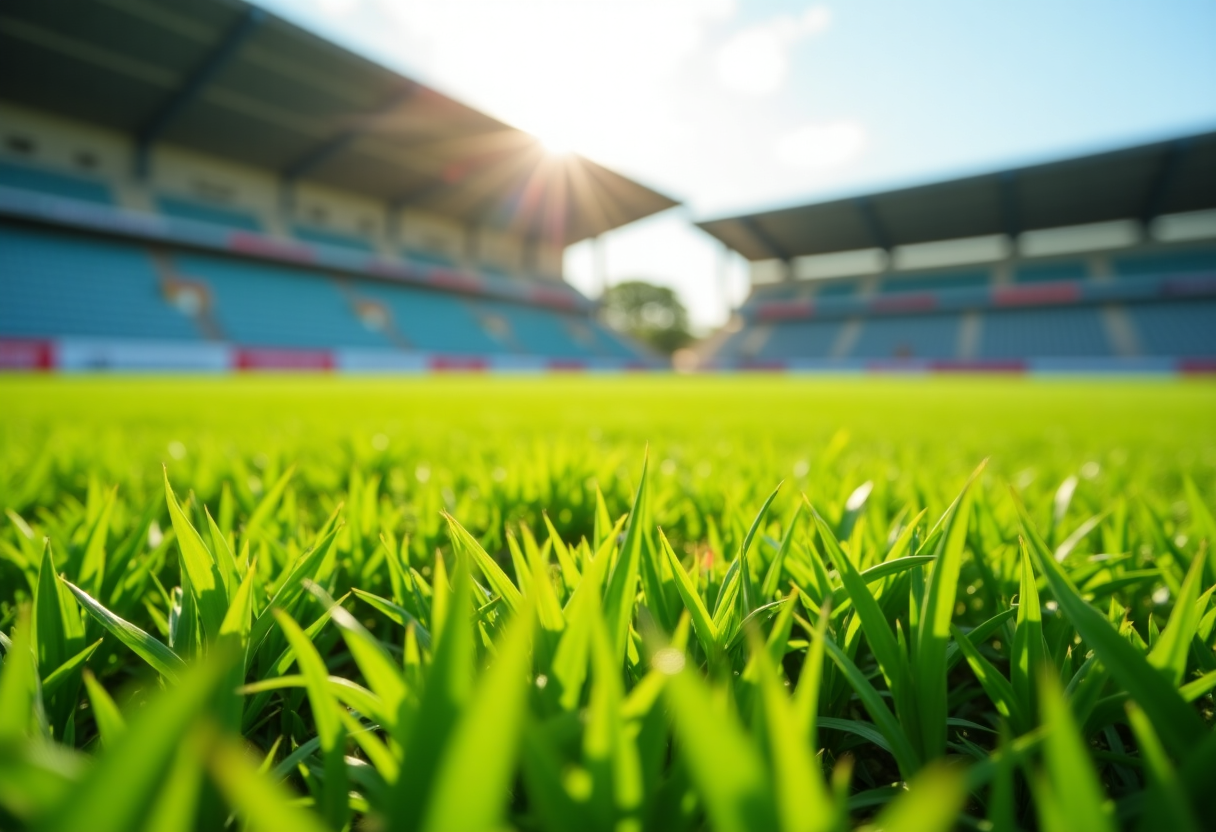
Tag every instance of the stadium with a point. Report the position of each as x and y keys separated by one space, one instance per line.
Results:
x=828 y=445
x=1094 y=264
x=212 y=187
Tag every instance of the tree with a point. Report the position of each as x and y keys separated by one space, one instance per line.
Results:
x=651 y=314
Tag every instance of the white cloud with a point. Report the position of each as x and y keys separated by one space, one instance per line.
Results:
x=821 y=146
x=756 y=60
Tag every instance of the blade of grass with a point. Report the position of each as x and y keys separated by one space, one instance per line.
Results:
x=1176 y=722
x=472 y=783
x=147 y=647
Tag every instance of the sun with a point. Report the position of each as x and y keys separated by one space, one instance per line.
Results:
x=556 y=142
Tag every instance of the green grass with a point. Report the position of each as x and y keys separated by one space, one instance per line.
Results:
x=606 y=603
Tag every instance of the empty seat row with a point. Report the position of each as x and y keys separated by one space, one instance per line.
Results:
x=1159 y=329
x=53 y=284
x=62 y=284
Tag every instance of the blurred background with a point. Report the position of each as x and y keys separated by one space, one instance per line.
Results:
x=389 y=186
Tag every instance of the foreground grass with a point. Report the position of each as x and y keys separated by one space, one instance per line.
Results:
x=481 y=603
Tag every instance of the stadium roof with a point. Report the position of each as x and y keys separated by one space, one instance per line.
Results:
x=1134 y=183
x=226 y=78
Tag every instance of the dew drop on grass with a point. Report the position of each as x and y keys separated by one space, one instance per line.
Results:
x=859 y=496
x=668 y=660
x=1161 y=596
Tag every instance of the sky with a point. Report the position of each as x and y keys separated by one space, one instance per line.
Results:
x=732 y=106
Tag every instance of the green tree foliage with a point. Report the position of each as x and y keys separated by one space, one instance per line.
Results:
x=652 y=314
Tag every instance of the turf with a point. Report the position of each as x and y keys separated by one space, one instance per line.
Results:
x=644 y=602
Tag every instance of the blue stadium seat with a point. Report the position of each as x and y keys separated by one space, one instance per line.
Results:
x=837 y=289
x=804 y=339
x=65 y=284
x=433 y=321
x=540 y=331
x=1060 y=332
x=336 y=239
x=430 y=260
x=610 y=344
x=912 y=336
x=1174 y=328
x=934 y=282
x=54 y=183
x=777 y=292
x=186 y=209
x=1177 y=262
x=1050 y=272
x=260 y=304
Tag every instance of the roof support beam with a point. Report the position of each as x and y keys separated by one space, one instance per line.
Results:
x=1159 y=187
x=325 y=151
x=775 y=249
x=874 y=227
x=193 y=86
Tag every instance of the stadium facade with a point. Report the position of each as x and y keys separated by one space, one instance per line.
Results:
x=203 y=185
x=1101 y=263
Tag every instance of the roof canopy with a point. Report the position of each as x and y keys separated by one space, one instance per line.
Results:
x=1135 y=183
x=225 y=78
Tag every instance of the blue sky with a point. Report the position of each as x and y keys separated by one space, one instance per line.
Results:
x=730 y=106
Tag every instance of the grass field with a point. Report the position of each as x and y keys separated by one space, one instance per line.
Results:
x=614 y=603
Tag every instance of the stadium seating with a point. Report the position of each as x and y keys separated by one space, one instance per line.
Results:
x=809 y=339
x=1050 y=272
x=55 y=183
x=1058 y=332
x=56 y=284
x=433 y=321
x=912 y=336
x=837 y=289
x=779 y=292
x=1176 y=328
x=608 y=344
x=428 y=259
x=934 y=282
x=336 y=239
x=538 y=331
x=263 y=304
x=1152 y=263
x=186 y=209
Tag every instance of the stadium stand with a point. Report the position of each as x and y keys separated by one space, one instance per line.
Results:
x=1176 y=329
x=53 y=283
x=201 y=212
x=177 y=217
x=1055 y=332
x=56 y=183
x=1037 y=270
x=908 y=336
